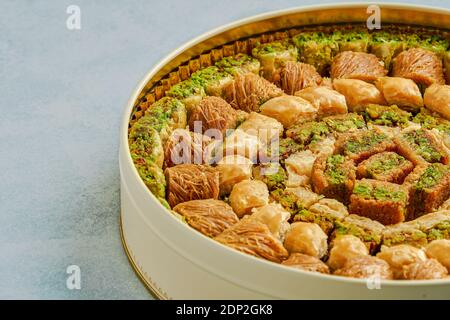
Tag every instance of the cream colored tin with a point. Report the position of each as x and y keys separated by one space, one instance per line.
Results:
x=176 y=262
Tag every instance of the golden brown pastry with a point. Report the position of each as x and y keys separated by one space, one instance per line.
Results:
x=187 y=182
x=243 y=144
x=248 y=194
x=265 y=128
x=344 y=248
x=357 y=65
x=400 y=256
x=307 y=263
x=184 y=147
x=358 y=94
x=212 y=113
x=364 y=267
x=248 y=91
x=210 y=217
x=424 y=270
x=326 y=100
x=437 y=99
x=296 y=76
x=233 y=169
x=254 y=238
x=274 y=217
x=440 y=250
x=299 y=167
x=289 y=109
x=401 y=92
x=420 y=65
x=306 y=238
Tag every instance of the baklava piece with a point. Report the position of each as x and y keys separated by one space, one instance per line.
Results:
x=145 y=142
x=289 y=109
x=189 y=92
x=272 y=174
x=184 y=147
x=248 y=194
x=429 y=187
x=369 y=231
x=421 y=146
x=295 y=199
x=212 y=79
x=327 y=101
x=381 y=201
x=248 y=92
x=307 y=263
x=358 y=94
x=386 y=46
x=210 y=217
x=153 y=177
x=299 y=168
x=233 y=169
x=385 y=166
x=352 y=40
x=425 y=270
x=334 y=177
x=366 y=267
x=240 y=63
x=422 y=66
x=308 y=132
x=344 y=248
x=342 y=123
x=435 y=225
x=391 y=116
x=400 y=256
x=166 y=115
x=306 y=238
x=437 y=99
x=324 y=213
x=265 y=128
x=187 y=182
x=274 y=217
x=286 y=147
x=432 y=120
x=241 y=143
x=295 y=76
x=401 y=92
x=317 y=49
x=253 y=238
x=440 y=250
x=404 y=233
x=357 y=65
x=213 y=113
x=273 y=56
x=361 y=145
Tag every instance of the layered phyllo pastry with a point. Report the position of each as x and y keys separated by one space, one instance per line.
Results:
x=321 y=150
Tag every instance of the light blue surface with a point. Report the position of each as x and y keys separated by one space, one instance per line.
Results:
x=62 y=94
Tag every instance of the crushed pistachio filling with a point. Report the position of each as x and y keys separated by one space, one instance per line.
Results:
x=421 y=144
x=365 y=142
x=386 y=115
x=342 y=228
x=344 y=124
x=381 y=165
x=431 y=176
x=381 y=193
x=334 y=172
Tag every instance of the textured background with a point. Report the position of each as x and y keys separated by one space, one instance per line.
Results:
x=61 y=97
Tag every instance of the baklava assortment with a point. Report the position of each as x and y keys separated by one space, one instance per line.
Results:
x=327 y=151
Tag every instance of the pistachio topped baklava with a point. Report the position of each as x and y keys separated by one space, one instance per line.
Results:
x=324 y=152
